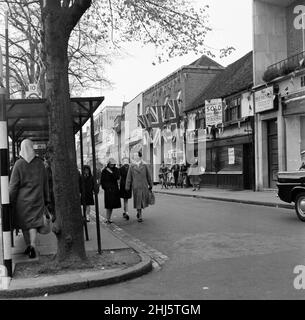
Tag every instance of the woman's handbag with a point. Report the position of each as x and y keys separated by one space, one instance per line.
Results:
x=46 y=228
x=151 y=198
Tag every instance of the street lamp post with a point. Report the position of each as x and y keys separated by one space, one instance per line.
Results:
x=7 y=69
x=4 y=180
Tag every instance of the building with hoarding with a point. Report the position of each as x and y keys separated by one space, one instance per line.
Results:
x=279 y=85
x=163 y=106
x=220 y=128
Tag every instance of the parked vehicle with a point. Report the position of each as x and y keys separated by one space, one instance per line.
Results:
x=291 y=188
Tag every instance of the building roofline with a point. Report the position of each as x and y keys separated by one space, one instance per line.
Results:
x=179 y=70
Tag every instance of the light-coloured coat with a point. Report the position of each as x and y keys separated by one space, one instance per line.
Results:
x=139 y=178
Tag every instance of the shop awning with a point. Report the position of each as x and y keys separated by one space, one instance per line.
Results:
x=28 y=118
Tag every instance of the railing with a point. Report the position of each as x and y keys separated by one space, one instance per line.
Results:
x=284 y=67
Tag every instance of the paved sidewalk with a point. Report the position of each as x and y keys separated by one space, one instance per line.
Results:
x=46 y=245
x=264 y=198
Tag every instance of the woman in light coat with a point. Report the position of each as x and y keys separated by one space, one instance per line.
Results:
x=139 y=179
x=194 y=174
x=29 y=195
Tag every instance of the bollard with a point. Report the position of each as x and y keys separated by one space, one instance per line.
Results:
x=4 y=186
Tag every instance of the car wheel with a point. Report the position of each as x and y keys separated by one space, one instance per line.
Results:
x=300 y=206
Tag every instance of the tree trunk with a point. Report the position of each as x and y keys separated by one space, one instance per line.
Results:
x=69 y=225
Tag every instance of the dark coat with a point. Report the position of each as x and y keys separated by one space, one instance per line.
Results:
x=125 y=194
x=87 y=190
x=109 y=182
x=139 y=179
x=29 y=193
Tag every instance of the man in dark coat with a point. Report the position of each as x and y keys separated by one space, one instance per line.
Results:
x=109 y=181
x=124 y=194
x=87 y=187
x=139 y=179
x=175 y=169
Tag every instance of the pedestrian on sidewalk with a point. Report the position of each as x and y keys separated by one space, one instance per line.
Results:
x=183 y=175
x=29 y=195
x=175 y=170
x=139 y=179
x=163 y=175
x=194 y=175
x=87 y=187
x=110 y=183
x=124 y=194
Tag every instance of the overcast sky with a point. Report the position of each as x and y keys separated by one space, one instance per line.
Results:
x=232 y=25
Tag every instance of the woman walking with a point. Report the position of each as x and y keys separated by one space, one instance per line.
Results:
x=124 y=194
x=109 y=181
x=139 y=179
x=87 y=187
x=194 y=175
x=29 y=195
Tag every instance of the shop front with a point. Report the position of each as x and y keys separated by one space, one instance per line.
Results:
x=229 y=163
x=294 y=119
x=270 y=132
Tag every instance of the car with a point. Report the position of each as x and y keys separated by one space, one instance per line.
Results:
x=291 y=188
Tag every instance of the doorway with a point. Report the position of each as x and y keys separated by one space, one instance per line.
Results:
x=248 y=167
x=273 y=161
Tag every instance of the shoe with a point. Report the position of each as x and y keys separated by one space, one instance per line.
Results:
x=125 y=216
x=87 y=219
x=32 y=253
x=27 y=250
x=139 y=217
x=108 y=221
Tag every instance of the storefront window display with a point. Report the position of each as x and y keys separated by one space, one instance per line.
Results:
x=224 y=159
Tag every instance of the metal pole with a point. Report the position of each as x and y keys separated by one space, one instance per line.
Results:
x=82 y=170
x=7 y=69
x=5 y=202
x=97 y=213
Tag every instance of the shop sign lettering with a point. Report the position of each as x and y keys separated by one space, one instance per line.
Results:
x=213 y=112
x=264 y=100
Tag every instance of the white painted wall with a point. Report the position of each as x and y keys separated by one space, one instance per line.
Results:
x=269 y=37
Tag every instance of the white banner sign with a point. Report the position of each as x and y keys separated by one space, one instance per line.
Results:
x=264 y=100
x=231 y=154
x=213 y=112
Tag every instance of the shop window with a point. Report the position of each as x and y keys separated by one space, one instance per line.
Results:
x=209 y=162
x=233 y=109
x=200 y=123
x=230 y=158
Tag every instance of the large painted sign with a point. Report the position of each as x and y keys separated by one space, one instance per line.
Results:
x=213 y=112
x=264 y=99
